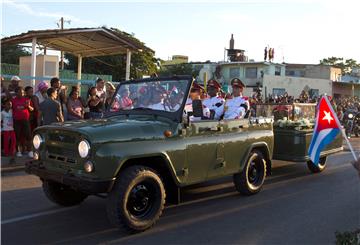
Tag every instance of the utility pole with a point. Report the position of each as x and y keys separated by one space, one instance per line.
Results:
x=62 y=27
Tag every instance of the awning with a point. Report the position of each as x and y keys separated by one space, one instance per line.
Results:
x=87 y=42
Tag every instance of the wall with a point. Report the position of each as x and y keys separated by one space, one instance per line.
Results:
x=266 y=68
x=314 y=71
x=346 y=89
x=294 y=85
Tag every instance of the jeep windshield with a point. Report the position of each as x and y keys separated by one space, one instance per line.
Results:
x=158 y=96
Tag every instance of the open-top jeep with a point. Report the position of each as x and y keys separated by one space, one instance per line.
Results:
x=141 y=154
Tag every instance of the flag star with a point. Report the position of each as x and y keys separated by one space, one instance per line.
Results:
x=327 y=117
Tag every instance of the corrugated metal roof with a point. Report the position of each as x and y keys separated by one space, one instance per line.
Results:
x=87 y=42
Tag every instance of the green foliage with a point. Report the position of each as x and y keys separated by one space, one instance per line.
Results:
x=142 y=63
x=10 y=54
x=9 y=69
x=348 y=238
x=345 y=66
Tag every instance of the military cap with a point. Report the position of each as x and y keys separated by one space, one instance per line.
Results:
x=213 y=83
x=236 y=82
x=196 y=87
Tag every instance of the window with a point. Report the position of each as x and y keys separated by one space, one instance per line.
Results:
x=277 y=70
x=234 y=72
x=251 y=72
x=278 y=91
x=313 y=93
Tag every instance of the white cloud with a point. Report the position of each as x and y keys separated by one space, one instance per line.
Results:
x=25 y=8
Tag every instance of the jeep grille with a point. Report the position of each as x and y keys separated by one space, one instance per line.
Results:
x=61 y=154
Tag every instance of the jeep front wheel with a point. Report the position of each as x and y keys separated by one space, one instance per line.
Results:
x=319 y=168
x=62 y=195
x=252 y=178
x=137 y=200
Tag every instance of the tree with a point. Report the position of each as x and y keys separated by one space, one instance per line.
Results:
x=10 y=54
x=345 y=66
x=142 y=63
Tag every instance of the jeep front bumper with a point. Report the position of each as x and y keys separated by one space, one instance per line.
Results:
x=86 y=185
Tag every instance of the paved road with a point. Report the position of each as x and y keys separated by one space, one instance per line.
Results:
x=295 y=207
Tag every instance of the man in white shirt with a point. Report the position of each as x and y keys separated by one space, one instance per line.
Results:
x=214 y=102
x=237 y=106
x=195 y=94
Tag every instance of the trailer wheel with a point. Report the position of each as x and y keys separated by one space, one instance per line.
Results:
x=320 y=167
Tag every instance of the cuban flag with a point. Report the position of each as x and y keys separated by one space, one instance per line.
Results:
x=327 y=126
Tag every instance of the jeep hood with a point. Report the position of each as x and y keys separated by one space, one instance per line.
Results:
x=117 y=129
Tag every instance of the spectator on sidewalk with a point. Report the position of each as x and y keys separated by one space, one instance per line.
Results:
x=110 y=93
x=14 y=84
x=61 y=94
x=40 y=97
x=21 y=113
x=29 y=93
x=7 y=128
x=77 y=89
x=50 y=109
x=95 y=104
x=41 y=94
x=74 y=106
x=100 y=89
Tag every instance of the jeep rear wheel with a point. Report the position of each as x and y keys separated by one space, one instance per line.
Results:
x=137 y=199
x=62 y=195
x=317 y=168
x=252 y=178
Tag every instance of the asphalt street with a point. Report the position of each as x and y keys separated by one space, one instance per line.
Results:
x=294 y=207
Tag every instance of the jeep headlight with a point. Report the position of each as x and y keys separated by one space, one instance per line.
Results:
x=84 y=148
x=350 y=116
x=37 y=140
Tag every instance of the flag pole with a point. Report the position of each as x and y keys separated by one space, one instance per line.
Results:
x=342 y=131
x=350 y=146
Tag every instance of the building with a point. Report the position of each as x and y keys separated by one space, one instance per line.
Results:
x=176 y=59
x=313 y=71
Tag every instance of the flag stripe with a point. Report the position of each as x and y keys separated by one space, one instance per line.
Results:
x=319 y=137
x=323 y=138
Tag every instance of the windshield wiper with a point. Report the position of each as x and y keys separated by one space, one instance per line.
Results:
x=143 y=109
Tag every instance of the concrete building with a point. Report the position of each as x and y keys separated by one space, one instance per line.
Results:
x=274 y=78
x=176 y=59
x=294 y=85
x=313 y=71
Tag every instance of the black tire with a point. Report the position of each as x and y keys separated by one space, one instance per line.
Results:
x=251 y=179
x=62 y=195
x=320 y=167
x=137 y=199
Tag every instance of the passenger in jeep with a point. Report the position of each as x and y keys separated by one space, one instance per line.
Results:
x=237 y=106
x=214 y=102
x=195 y=94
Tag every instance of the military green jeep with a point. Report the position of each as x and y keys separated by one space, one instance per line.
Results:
x=145 y=149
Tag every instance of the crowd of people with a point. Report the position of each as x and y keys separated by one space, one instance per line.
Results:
x=23 y=110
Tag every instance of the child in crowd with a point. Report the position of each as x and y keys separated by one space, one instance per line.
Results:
x=7 y=127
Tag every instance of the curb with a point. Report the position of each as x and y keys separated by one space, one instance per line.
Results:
x=11 y=169
x=9 y=165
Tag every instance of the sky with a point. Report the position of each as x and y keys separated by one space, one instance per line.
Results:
x=300 y=31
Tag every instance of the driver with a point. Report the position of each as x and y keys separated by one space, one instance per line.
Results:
x=195 y=94
x=157 y=100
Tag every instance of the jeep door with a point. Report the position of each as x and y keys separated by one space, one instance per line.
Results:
x=201 y=149
x=235 y=138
